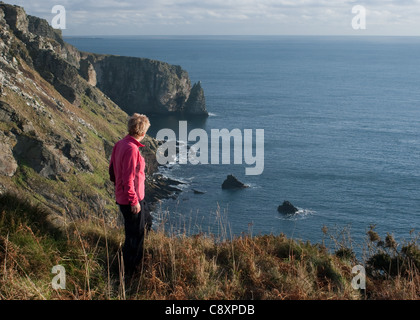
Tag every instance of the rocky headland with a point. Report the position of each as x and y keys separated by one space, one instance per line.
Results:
x=154 y=87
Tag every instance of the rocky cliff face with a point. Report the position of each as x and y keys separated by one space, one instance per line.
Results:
x=135 y=84
x=57 y=129
x=196 y=104
x=144 y=85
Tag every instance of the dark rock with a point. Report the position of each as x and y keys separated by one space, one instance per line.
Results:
x=77 y=156
x=16 y=18
x=7 y=113
x=108 y=148
x=198 y=191
x=44 y=159
x=196 y=103
x=42 y=28
x=61 y=74
x=8 y=164
x=159 y=187
x=232 y=182
x=142 y=85
x=287 y=208
x=174 y=189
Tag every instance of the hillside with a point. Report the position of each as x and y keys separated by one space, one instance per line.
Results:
x=57 y=129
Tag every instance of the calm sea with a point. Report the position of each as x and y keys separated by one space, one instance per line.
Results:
x=342 y=131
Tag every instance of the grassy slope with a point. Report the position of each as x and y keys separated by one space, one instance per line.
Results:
x=195 y=267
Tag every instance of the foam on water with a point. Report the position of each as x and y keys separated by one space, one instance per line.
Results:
x=300 y=215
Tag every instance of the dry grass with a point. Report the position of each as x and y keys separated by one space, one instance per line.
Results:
x=177 y=266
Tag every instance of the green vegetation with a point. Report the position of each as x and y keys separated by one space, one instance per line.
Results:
x=31 y=244
x=188 y=267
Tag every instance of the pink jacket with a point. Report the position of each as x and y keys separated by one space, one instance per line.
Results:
x=126 y=170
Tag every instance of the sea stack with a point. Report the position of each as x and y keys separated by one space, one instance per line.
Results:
x=232 y=182
x=287 y=208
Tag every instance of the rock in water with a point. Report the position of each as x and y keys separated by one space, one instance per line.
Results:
x=196 y=103
x=232 y=182
x=198 y=191
x=287 y=208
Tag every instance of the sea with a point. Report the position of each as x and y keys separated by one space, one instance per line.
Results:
x=341 y=121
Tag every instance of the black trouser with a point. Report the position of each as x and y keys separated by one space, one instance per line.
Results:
x=135 y=228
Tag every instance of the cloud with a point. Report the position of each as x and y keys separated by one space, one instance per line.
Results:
x=229 y=16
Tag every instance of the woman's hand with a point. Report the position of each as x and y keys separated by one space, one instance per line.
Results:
x=136 y=209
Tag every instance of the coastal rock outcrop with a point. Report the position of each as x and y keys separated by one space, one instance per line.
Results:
x=43 y=159
x=144 y=85
x=287 y=208
x=232 y=182
x=196 y=103
x=135 y=84
x=43 y=48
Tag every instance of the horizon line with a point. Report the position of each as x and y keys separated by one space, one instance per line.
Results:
x=242 y=35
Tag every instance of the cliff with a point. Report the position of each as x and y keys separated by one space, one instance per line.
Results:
x=135 y=84
x=151 y=86
x=57 y=129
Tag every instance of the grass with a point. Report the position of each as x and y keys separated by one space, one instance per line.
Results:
x=193 y=267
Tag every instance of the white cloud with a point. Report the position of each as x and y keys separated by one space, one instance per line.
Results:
x=230 y=16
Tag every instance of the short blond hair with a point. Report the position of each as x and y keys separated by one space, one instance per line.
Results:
x=138 y=124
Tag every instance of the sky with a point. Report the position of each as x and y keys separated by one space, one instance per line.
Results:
x=230 y=17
